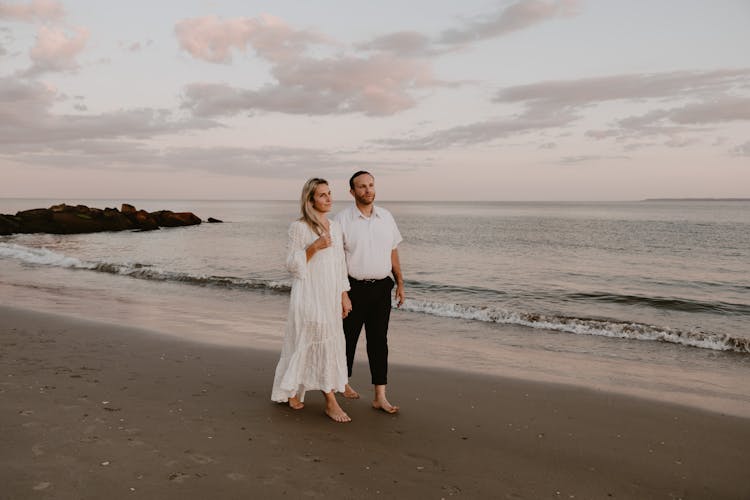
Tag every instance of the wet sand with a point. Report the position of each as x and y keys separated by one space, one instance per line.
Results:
x=94 y=410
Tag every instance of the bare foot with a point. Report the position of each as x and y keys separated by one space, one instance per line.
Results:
x=383 y=404
x=350 y=393
x=336 y=413
x=295 y=404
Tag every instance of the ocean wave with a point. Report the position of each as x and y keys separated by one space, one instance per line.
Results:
x=582 y=326
x=43 y=256
x=579 y=326
x=671 y=303
x=40 y=256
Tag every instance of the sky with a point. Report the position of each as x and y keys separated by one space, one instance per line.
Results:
x=517 y=100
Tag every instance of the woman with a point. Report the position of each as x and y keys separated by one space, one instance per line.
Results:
x=314 y=352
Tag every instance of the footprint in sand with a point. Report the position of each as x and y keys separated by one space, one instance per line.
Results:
x=199 y=459
x=178 y=477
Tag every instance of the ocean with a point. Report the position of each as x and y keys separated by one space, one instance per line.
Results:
x=652 y=283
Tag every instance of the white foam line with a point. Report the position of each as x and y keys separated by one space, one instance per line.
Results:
x=635 y=331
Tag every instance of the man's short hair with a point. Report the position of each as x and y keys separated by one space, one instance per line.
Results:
x=357 y=174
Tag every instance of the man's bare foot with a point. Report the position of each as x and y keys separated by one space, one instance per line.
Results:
x=336 y=413
x=350 y=393
x=295 y=403
x=383 y=404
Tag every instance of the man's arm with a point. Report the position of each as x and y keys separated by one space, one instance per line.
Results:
x=396 y=270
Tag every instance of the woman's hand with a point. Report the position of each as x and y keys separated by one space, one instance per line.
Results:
x=346 y=305
x=324 y=241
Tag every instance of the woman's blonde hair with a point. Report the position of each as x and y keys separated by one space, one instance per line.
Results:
x=309 y=214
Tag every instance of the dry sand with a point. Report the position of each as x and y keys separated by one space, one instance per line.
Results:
x=92 y=410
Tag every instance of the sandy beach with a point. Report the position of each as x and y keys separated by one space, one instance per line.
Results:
x=93 y=410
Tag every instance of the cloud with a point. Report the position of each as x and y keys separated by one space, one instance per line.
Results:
x=573 y=160
x=716 y=110
x=26 y=122
x=518 y=16
x=409 y=43
x=382 y=81
x=711 y=97
x=135 y=46
x=212 y=39
x=741 y=149
x=562 y=103
x=585 y=91
x=35 y=11
x=679 y=120
x=477 y=133
x=263 y=162
x=271 y=162
x=379 y=85
x=56 y=47
x=56 y=50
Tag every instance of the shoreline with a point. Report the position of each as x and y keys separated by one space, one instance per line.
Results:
x=94 y=409
x=678 y=374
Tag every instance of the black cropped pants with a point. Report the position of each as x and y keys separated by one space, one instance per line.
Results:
x=371 y=307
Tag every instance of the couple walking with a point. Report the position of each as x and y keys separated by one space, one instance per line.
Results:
x=341 y=272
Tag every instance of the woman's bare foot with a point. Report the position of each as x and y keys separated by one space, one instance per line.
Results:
x=295 y=403
x=383 y=404
x=333 y=409
x=350 y=393
x=337 y=414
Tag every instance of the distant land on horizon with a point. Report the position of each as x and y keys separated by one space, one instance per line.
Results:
x=697 y=199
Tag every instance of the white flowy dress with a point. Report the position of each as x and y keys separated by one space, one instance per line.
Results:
x=313 y=356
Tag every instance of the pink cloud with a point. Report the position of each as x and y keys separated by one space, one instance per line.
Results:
x=36 y=10
x=212 y=39
x=380 y=84
x=56 y=50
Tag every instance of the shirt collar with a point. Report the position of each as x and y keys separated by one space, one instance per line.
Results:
x=375 y=212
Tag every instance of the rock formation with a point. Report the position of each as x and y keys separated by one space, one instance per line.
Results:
x=69 y=219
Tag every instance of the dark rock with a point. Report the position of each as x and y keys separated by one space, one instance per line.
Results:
x=145 y=221
x=8 y=225
x=167 y=218
x=214 y=221
x=69 y=219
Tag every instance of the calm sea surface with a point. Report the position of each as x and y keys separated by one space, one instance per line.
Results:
x=674 y=272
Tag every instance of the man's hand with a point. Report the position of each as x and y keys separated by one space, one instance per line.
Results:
x=399 y=294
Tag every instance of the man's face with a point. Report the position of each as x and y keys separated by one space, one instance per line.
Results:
x=364 y=189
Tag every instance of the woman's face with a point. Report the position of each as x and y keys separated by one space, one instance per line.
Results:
x=322 y=200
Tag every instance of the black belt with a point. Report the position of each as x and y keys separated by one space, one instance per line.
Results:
x=367 y=282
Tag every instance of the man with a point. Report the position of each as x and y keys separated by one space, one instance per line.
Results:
x=371 y=238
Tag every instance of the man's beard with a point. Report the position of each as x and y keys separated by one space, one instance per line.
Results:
x=364 y=201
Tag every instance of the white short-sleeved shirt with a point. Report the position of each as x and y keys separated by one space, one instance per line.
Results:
x=368 y=242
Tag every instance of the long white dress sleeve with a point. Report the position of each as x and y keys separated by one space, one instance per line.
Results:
x=296 y=260
x=313 y=355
